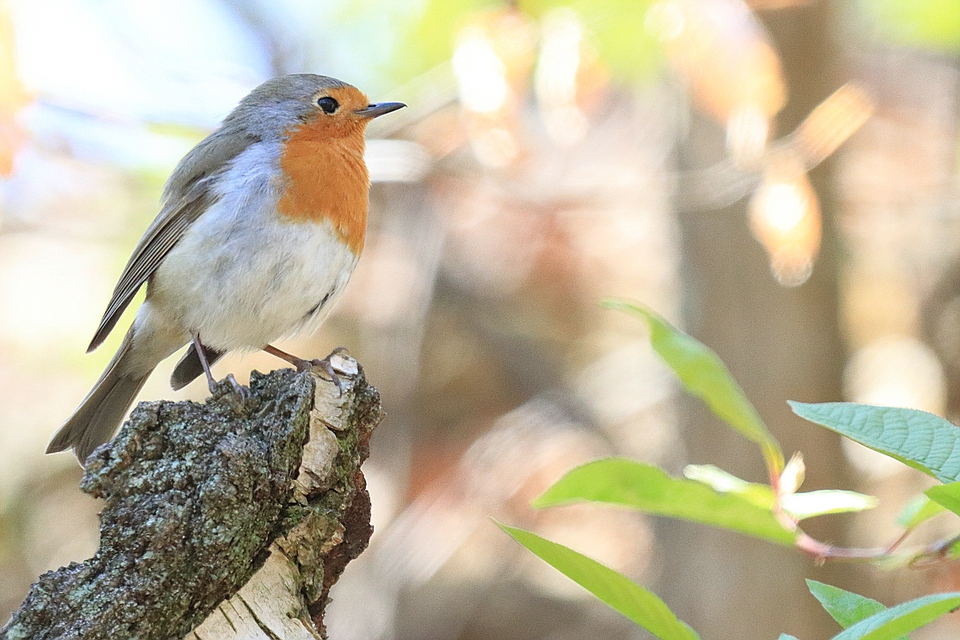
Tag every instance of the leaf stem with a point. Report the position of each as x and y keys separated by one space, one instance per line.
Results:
x=822 y=551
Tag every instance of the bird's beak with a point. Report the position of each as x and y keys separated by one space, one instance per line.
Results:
x=374 y=110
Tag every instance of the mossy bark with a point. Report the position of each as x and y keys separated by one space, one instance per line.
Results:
x=198 y=498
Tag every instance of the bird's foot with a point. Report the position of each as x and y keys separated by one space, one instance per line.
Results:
x=236 y=387
x=239 y=389
x=324 y=365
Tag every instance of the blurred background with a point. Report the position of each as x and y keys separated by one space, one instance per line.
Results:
x=778 y=177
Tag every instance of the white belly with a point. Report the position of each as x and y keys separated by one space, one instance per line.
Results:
x=242 y=282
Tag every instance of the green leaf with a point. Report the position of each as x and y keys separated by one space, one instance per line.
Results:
x=724 y=482
x=846 y=607
x=902 y=619
x=646 y=488
x=818 y=503
x=704 y=375
x=916 y=438
x=946 y=495
x=801 y=505
x=612 y=587
x=918 y=511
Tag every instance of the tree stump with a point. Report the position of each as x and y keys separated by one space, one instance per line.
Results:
x=229 y=519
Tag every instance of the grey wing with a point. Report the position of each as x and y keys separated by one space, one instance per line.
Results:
x=187 y=195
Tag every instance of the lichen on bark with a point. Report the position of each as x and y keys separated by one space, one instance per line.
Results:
x=196 y=494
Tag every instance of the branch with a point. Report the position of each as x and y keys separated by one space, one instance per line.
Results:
x=230 y=519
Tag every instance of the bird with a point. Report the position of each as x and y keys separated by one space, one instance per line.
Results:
x=260 y=227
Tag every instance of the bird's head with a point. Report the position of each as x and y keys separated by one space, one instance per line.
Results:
x=327 y=106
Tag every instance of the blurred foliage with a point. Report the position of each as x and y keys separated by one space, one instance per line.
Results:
x=419 y=47
x=931 y=24
x=618 y=29
x=626 y=46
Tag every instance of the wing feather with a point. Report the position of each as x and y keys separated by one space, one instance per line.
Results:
x=187 y=195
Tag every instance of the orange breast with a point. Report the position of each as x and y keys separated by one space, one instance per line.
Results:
x=326 y=179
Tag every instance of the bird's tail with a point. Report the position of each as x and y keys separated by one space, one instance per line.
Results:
x=98 y=416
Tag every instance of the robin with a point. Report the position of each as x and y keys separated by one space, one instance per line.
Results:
x=259 y=230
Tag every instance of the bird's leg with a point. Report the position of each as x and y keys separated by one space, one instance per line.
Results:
x=211 y=381
x=301 y=364
x=198 y=347
x=308 y=365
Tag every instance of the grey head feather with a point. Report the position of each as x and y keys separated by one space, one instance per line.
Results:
x=264 y=114
x=280 y=103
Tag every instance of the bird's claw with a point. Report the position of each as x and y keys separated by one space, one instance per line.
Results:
x=325 y=366
x=239 y=389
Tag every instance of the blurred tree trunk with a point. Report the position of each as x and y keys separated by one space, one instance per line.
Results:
x=780 y=343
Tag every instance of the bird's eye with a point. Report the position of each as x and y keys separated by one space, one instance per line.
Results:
x=328 y=104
